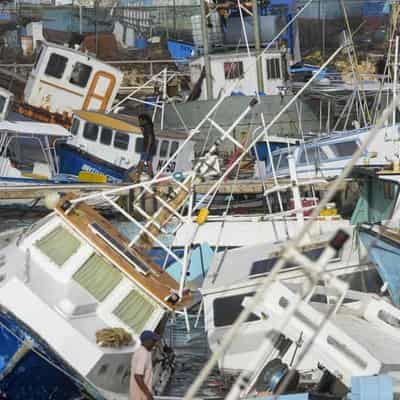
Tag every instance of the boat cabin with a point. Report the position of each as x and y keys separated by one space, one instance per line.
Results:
x=327 y=156
x=237 y=274
x=227 y=67
x=27 y=150
x=63 y=79
x=109 y=144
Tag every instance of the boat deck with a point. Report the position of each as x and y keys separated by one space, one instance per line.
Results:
x=157 y=282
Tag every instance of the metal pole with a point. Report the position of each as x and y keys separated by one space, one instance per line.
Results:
x=207 y=64
x=257 y=39
x=80 y=18
x=395 y=67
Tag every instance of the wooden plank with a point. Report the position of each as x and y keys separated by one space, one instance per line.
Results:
x=158 y=283
x=247 y=186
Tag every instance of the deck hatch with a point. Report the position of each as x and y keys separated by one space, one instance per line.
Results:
x=59 y=245
x=121 y=249
x=98 y=277
x=135 y=310
x=265 y=266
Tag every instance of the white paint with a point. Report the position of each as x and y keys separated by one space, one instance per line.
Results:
x=69 y=343
x=59 y=95
x=130 y=157
x=248 y=83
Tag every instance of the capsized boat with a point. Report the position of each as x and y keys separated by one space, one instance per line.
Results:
x=75 y=298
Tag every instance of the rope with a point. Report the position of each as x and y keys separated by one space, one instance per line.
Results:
x=113 y=337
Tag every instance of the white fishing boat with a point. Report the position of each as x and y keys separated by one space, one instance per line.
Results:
x=237 y=273
x=109 y=144
x=74 y=299
x=326 y=156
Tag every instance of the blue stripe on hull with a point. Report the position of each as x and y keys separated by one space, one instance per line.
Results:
x=33 y=377
x=73 y=161
x=386 y=256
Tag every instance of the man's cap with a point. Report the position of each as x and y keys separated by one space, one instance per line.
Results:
x=149 y=335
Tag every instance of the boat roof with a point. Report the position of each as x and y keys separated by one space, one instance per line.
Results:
x=157 y=283
x=122 y=122
x=232 y=268
x=33 y=128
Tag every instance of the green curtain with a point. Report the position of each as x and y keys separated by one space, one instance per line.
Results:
x=58 y=245
x=98 y=277
x=135 y=310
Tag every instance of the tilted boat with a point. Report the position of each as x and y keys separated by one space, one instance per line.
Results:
x=74 y=299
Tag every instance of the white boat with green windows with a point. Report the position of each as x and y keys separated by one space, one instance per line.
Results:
x=74 y=299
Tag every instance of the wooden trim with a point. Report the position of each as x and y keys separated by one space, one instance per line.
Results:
x=61 y=87
x=158 y=284
x=92 y=90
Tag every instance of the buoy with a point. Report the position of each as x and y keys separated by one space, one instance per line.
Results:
x=178 y=176
x=202 y=216
x=51 y=200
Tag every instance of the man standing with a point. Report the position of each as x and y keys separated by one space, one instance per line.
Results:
x=140 y=387
x=148 y=151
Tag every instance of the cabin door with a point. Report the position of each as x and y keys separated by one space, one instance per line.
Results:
x=99 y=92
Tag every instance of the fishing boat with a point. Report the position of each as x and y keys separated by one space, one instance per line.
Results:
x=237 y=274
x=326 y=156
x=108 y=144
x=74 y=299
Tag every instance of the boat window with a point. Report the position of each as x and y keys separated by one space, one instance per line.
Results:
x=273 y=68
x=311 y=155
x=344 y=149
x=139 y=145
x=56 y=65
x=389 y=190
x=75 y=126
x=135 y=310
x=363 y=281
x=284 y=163
x=90 y=131
x=121 y=140
x=106 y=136
x=59 y=245
x=80 y=74
x=37 y=57
x=227 y=309
x=98 y=277
x=174 y=148
x=265 y=266
x=275 y=160
x=164 y=148
x=233 y=70
x=2 y=103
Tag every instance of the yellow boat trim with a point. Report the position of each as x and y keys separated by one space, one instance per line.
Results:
x=108 y=121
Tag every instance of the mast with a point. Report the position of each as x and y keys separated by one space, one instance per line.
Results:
x=207 y=64
x=257 y=39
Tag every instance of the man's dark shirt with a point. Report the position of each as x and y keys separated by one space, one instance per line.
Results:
x=149 y=140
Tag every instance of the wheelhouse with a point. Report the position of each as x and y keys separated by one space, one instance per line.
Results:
x=117 y=140
x=63 y=79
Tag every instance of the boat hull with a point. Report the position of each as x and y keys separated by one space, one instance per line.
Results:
x=30 y=369
x=72 y=161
